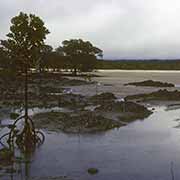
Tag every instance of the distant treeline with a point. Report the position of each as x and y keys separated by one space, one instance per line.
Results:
x=139 y=64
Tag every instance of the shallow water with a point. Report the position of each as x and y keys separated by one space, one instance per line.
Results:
x=138 y=151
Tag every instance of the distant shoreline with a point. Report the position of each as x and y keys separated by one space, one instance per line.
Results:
x=138 y=70
x=164 y=65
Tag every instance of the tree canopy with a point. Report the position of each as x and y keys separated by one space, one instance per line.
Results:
x=82 y=55
x=25 y=42
x=25 y=48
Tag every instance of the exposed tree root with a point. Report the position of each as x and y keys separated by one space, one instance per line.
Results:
x=25 y=138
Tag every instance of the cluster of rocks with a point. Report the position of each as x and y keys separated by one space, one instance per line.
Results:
x=56 y=78
x=125 y=111
x=45 y=90
x=162 y=95
x=82 y=122
x=42 y=88
x=151 y=83
x=102 y=98
x=107 y=114
x=72 y=100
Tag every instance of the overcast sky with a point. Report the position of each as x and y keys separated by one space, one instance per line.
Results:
x=121 y=28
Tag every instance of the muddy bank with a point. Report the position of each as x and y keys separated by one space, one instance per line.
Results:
x=58 y=77
x=160 y=95
x=41 y=88
x=97 y=113
x=102 y=98
x=151 y=83
x=48 y=97
x=124 y=111
x=83 y=122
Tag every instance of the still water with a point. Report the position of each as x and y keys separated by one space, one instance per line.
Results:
x=142 y=150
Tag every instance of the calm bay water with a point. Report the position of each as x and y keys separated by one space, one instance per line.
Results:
x=141 y=150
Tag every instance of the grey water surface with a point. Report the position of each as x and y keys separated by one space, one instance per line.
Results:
x=142 y=150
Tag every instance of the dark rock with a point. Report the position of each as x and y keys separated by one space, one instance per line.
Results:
x=128 y=111
x=151 y=83
x=93 y=171
x=72 y=100
x=50 y=89
x=44 y=88
x=163 y=95
x=79 y=122
x=102 y=98
x=126 y=106
x=74 y=82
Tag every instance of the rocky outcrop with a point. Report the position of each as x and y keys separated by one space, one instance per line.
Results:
x=102 y=98
x=125 y=111
x=108 y=113
x=72 y=100
x=42 y=89
x=151 y=83
x=162 y=95
x=81 y=122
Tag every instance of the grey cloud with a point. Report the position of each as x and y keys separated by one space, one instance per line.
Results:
x=123 y=29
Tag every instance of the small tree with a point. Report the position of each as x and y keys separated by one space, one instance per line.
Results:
x=82 y=55
x=24 y=45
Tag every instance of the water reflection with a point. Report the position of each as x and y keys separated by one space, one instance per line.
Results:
x=142 y=150
x=15 y=148
x=19 y=169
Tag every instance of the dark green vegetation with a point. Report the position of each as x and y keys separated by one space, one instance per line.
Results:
x=151 y=83
x=25 y=49
x=25 y=44
x=81 y=54
x=139 y=64
x=162 y=95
